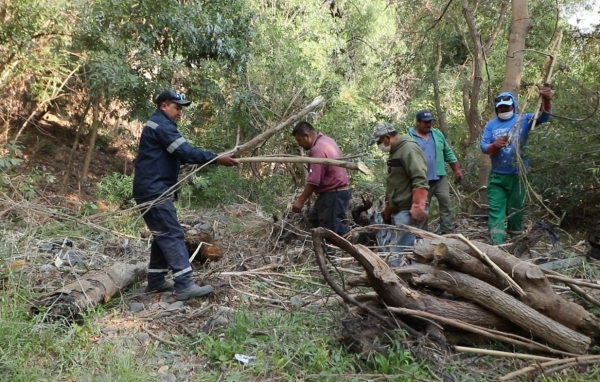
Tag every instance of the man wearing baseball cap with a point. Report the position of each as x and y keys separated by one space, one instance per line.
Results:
x=162 y=150
x=406 y=184
x=437 y=153
x=504 y=138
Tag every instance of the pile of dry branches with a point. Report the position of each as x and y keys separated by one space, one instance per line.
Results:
x=478 y=291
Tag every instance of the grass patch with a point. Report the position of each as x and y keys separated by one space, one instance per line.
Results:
x=36 y=351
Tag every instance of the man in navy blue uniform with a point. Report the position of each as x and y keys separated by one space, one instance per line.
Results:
x=162 y=150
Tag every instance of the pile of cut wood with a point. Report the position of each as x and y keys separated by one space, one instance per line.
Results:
x=456 y=285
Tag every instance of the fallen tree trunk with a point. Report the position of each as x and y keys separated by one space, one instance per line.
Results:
x=72 y=301
x=539 y=293
x=503 y=305
x=394 y=292
x=461 y=261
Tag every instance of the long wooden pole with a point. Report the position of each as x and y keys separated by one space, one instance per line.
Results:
x=274 y=130
x=298 y=159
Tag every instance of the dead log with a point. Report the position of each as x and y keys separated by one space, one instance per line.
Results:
x=463 y=262
x=394 y=292
x=72 y=301
x=539 y=293
x=503 y=305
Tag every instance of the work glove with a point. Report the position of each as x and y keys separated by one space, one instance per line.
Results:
x=387 y=214
x=458 y=175
x=418 y=213
x=500 y=142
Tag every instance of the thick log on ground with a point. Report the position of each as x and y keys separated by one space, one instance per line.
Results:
x=72 y=301
x=458 y=260
x=531 y=278
x=394 y=292
x=503 y=305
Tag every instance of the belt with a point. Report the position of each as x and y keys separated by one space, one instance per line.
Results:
x=337 y=189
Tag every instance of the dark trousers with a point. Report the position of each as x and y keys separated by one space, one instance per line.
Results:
x=168 y=249
x=329 y=211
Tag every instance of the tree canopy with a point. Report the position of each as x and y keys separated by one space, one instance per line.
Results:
x=247 y=64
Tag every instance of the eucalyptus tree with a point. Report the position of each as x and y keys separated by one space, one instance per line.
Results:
x=34 y=61
x=132 y=50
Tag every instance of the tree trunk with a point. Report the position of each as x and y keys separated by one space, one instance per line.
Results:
x=471 y=91
x=441 y=115
x=505 y=306
x=519 y=28
x=539 y=293
x=69 y=169
x=71 y=302
x=92 y=140
x=394 y=292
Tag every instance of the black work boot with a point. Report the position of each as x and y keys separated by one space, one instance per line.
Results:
x=193 y=291
x=165 y=286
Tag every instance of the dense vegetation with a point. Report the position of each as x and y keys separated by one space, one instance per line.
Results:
x=248 y=64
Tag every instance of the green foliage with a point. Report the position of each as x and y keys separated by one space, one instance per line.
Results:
x=136 y=50
x=221 y=186
x=36 y=351
x=279 y=342
x=117 y=189
x=13 y=183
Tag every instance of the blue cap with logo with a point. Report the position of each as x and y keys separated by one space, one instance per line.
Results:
x=425 y=115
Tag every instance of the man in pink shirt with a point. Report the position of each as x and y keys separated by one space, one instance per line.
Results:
x=330 y=183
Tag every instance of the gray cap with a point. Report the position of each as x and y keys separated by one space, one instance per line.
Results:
x=381 y=129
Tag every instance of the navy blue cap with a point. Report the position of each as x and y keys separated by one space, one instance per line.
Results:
x=425 y=115
x=173 y=96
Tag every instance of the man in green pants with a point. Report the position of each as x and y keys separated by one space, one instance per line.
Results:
x=437 y=153
x=504 y=138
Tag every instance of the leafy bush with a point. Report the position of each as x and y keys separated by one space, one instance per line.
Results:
x=223 y=186
x=117 y=189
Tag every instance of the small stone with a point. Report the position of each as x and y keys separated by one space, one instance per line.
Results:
x=136 y=307
x=168 y=377
x=220 y=320
x=46 y=268
x=143 y=338
x=203 y=227
x=224 y=311
x=191 y=232
x=46 y=247
x=175 y=306
x=296 y=301
x=163 y=314
x=163 y=369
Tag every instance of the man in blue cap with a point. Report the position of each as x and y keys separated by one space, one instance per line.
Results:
x=162 y=150
x=437 y=153
x=504 y=138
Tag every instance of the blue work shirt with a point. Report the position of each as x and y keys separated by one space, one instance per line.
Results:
x=161 y=152
x=428 y=147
